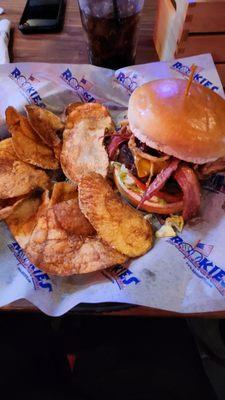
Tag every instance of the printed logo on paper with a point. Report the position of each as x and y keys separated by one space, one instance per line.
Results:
x=26 y=84
x=197 y=260
x=198 y=76
x=121 y=275
x=81 y=87
x=32 y=274
x=215 y=183
x=128 y=81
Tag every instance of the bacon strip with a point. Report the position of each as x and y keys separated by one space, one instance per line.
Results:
x=212 y=167
x=118 y=138
x=188 y=181
x=159 y=181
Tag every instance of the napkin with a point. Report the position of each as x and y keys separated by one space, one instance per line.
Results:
x=4 y=40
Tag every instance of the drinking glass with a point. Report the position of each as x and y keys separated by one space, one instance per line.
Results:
x=111 y=30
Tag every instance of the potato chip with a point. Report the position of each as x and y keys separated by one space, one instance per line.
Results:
x=12 y=116
x=118 y=224
x=45 y=204
x=71 y=107
x=64 y=201
x=22 y=220
x=71 y=219
x=54 y=251
x=63 y=191
x=34 y=248
x=28 y=131
x=94 y=112
x=32 y=151
x=7 y=150
x=45 y=123
x=83 y=148
x=57 y=151
x=78 y=257
x=26 y=142
x=8 y=206
x=16 y=177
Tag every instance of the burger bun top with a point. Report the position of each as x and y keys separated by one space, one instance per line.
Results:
x=190 y=127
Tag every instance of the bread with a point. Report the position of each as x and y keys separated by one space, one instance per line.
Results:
x=190 y=127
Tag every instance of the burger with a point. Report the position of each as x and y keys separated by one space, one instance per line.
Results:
x=173 y=139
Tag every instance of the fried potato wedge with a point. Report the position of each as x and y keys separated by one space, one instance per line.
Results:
x=47 y=125
x=16 y=177
x=22 y=219
x=56 y=252
x=83 y=148
x=116 y=223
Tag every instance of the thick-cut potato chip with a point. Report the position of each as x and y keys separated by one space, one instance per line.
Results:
x=32 y=151
x=45 y=123
x=94 y=112
x=12 y=116
x=71 y=107
x=27 y=144
x=78 y=256
x=63 y=191
x=71 y=219
x=28 y=130
x=83 y=148
x=7 y=150
x=64 y=201
x=8 y=206
x=54 y=251
x=16 y=177
x=118 y=224
x=22 y=220
x=57 y=151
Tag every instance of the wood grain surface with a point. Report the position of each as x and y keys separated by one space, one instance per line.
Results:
x=69 y=46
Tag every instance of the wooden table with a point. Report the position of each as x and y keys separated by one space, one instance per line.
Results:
x=68 y=47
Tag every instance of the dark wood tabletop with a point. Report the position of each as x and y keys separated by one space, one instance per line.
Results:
x=68 y=46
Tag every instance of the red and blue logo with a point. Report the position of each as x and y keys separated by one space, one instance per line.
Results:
x=26 y=84
x=32 y=274
x=197 y=260
x=81 y=87
x=127 y=81
x=198 y=77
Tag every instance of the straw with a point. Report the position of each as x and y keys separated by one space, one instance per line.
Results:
x=190 y=80
x=116 y=10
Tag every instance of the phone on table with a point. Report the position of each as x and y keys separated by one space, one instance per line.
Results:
x=42 y=16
